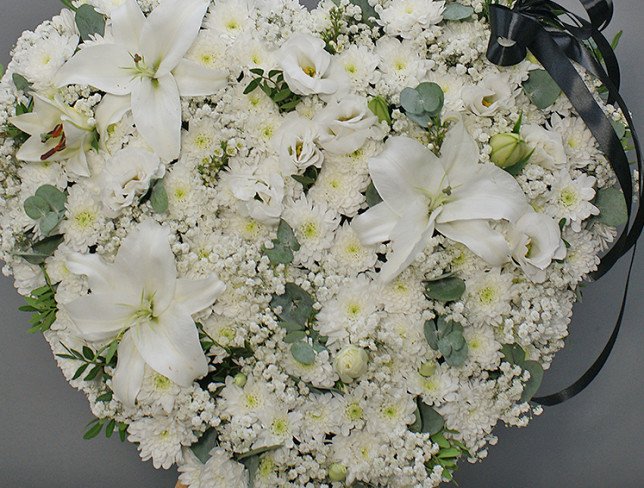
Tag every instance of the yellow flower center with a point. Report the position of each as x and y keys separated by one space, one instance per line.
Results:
x=309 y=70
x=487 y=295
x=85 y=219
x=569 y=197
x=354 y=411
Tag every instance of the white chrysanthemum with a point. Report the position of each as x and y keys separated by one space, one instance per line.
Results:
x=452 y=87
x=357 y=162
x=357 y=452
x=253 y=397
x=339 y=190
x=34 y=175
x=582 y=255
x=184 y=196
x=488 y=296
x=359 y=63
x=279 y=426
x=439 y=387
x=157 y=390
x=253 y=53
x=348 y=256
x=230 y=18
x=200 y=140
x=482 y=347
x=313 y=225
x=161 y=439
x=224 y=331
x=406 y=18
x=547 y=145
x=400 y=63
x=320 y=416
x=578 y=141
x=405 y=294
x=84 y=219
x=391 y=412
x=40 y=62
x=403 y=334
x=571 y=197
x=351 y=314
x=219 y=470
x=248 y=228
x=209 y=51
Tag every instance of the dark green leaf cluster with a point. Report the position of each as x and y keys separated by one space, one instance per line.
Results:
x=41 y=250
x=445 y=289
x=93 y=363
x=283 y=246
x=296 y=314
x=428 y=420
x=205 y=444
x=96 y=426
x=275 y=88
x=457 y=11
x=42 y=304
x=373 y=197
x=308 y=178
x=541 y=89
x=252 y=460
x=10 y=130
x=89 y=22
x=514 y=354
x=22 y=84
x=47 y=207
x=447 y=338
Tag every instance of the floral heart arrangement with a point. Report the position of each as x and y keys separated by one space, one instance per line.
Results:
x=278 y=247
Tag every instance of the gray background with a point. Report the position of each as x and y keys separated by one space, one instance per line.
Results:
x=593 y=441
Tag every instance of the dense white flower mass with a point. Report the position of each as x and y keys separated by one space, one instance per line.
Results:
x=272 y=246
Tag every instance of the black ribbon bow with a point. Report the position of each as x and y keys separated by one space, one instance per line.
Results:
x=557 y=37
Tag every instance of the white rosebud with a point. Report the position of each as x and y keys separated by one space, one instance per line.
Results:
x=351 y=363
x=508 y=149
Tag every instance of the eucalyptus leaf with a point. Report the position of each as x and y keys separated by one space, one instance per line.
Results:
x=417 y=425
x=457 y=11
x=284 y=246
x=536 y=377
x=432 y=421
x=22 y=84
x=541 y=89
x=612 y=207
x=252 y=465
x=432 y=97
x=296 y=304
x=411 y=101
x=294 y=336
x=41 y=250
x=619 y=128
x=36 y=208
x=259 y=451
x=431 y=334
x=373 y=197
x=445 y=290
x=56 y=198
x=204 y=445
x=159 y=197
x=513 y=353
x=89 y=22
x=303 y=353
x=49 y=222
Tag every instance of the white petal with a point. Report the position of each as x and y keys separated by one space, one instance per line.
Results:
x=102 y=66
x=479 y=237
x=44 y=118
x=98 y=318
x=156 y=108
x=171 y=347
x=195 y=80
x=128 y=374
x=110 y=111
x=77 y=164
x=408 y=238
x=375 y=225
x=146 y=260
x=195 y=295
x=459 y=150
x=127 y=24
x=33 y=148
x=489 y=193
x=170 y=30
x=401 y=169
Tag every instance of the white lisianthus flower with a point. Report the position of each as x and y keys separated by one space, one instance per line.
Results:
x=295 y=144
x=572 y=198
x=487 y=97
x=453 y=194
x=346 y=124
x=405 y=17
x=128 y=175
x=535 y=241
x=548 y=146
x=139 y=300
x=306 y=66
x=351 y=362
x=57 y=132
x=144 y=62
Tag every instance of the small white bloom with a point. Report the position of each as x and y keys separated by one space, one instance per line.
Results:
x=548 y=146
x=488 y=295
x=488 y=96
x=405 y=18
x=295 y=144
x=351 y=362
x=571 y=198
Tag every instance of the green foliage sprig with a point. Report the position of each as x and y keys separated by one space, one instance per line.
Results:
x=93 y=362
x=283 y=246
x=42 y=303
x=96 y=426
x=274 y=86
x=450 y=451
x=47 y=207
x=332 y=33
x=514 y=354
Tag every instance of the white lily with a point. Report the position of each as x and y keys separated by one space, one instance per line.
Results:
x=144 y=61
x=453 y=195
x=58 y=132
x=140 y=300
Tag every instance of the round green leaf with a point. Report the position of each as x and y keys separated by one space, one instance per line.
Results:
x=541 y=89
x=612 y=207
x=411 y=101
x=431 y=97
x=445 y=290
x=49 y=222
x=457 y=11
x=36 y=208
x=53 y=196
x=303 y=353
x=532 y=385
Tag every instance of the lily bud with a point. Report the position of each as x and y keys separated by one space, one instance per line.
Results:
x=337 y=472
x=351 y=363
x=508 y=149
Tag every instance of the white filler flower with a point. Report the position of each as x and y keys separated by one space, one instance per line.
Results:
x=453 y=194
x=145 y=61
x=140 y=300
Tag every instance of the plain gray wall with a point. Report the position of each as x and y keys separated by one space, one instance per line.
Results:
x=593 y=441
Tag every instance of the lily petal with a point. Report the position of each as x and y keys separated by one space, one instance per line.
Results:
x=408 y=238
x=195 y=295
x=103 y=66
x=195 y=80
x=171 y=347
x=488 y=193
x=127 y=23
x=110 y=111
x=97 y=319
x=376 y=224
x=33 y=148
x=459 y=150
x=146 y=256
x=404 y=165
x=479 y=237
x=170 y=30
x=156 y=108
x=128 y=374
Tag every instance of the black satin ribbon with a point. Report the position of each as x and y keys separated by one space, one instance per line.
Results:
x=537 y=26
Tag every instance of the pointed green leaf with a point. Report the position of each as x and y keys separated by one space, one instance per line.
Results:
x=89 y=22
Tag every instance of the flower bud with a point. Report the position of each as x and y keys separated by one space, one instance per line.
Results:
x=240 y=380
x=351 y=363
x=427 y=368
x=337 y=472
x=508 y=149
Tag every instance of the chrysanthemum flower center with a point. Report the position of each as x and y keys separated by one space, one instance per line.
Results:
x=161 y=382
x=85 y=218
x=487 y=295
x=279 y=426
x=354 y=411
x=569 y=197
